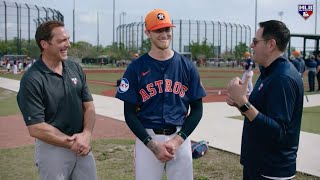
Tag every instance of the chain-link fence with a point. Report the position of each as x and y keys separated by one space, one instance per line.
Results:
x=18 y=22
x=223 y=36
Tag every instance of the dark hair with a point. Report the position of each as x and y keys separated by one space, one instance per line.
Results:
x=278 y=31
x=44 y=31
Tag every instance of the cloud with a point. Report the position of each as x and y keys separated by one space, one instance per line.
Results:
x=89 y=18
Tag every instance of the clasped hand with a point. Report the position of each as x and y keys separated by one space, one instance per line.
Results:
x=81 y=145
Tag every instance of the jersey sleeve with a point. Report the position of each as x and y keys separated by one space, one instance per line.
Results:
x=127 y=90
x=196 y=89
x=30 y=101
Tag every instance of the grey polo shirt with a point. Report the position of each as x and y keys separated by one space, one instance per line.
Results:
x=45 y=96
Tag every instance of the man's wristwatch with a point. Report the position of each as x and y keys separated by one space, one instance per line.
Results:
x=245 y=107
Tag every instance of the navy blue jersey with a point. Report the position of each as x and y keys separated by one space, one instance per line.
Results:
x=302 y=66
x=249 y=63
x=311 y=64
x=162 y=90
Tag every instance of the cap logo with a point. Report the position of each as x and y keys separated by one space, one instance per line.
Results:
x=161 y=16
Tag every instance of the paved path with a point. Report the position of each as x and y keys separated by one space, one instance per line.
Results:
x=215 y=127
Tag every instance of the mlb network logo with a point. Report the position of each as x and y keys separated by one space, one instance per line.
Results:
x=305 y=10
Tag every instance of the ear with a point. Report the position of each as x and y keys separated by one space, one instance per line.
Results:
x=272 y=44
x=147 y=32
x=44 y=44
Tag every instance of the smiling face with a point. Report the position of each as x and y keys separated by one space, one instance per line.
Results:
x=57 y=47
x=160 y=38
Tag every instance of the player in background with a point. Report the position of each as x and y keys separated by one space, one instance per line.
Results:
x=298 y=62
x=311 y=67
x=158 y=89
x=248 y=71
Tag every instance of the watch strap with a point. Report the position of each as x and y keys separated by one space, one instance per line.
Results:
x=245 y=107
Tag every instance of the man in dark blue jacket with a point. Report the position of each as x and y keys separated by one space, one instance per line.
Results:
x=271 y=130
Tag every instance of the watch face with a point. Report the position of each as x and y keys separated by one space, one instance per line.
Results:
x=245 y=107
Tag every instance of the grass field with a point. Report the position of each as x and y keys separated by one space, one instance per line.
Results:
x=8 y=103
x=114 y=159
x=210 y=77
x=310 y=119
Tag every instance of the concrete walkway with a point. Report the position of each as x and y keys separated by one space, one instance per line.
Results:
x=215 y=127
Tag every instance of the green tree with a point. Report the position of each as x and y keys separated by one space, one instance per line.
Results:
x=117 y=52
x=82 y=49
x=145 y=46
x=30 y=49
x=239 y=50
x=201 y=51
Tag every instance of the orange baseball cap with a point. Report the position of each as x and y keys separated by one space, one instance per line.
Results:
x=157 y=19
x=296 y=53
x=247 y=54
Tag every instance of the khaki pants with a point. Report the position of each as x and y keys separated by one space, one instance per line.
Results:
x=58 y=163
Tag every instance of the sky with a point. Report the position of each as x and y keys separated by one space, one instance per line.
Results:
x=231 y=11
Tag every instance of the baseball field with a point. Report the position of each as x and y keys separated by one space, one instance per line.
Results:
x=113 y=141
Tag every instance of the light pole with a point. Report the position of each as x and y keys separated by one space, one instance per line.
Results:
x=255 y=17
x=113 y=21
x=315 y=23
x=74 y=33
x=98 y=31
x=123 y=14
x=121 y=21
x=280 y=14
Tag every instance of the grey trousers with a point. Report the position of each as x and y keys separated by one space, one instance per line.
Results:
x=58 y=163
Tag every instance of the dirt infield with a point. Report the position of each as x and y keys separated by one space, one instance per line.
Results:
x=14 y=133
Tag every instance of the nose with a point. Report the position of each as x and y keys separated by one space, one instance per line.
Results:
x=252 y=45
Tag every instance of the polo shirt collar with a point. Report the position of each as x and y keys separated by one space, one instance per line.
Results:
x=44 y=68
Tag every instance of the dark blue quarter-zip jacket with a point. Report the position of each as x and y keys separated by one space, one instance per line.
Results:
x=270 y=142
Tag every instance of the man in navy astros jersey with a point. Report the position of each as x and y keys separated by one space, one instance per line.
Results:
x=270 y=136
x=157 y=90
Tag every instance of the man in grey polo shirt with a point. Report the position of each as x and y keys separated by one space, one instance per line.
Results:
x=58 y=109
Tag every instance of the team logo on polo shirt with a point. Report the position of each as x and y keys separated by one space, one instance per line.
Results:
x=74 y=80
x=124 y=85
x=305 y=10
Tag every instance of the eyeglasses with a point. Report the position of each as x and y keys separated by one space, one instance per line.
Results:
x=255 y=41
x=167 y=29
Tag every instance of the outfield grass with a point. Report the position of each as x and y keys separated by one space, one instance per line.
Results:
x=8 y=103
x=106 y=77
x=114 y=160
x=310 y=119
x=210 y=79
x=99 y=88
